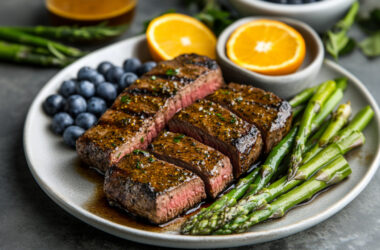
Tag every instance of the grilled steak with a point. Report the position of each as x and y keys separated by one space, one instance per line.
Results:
x=212 y=166
x=219 y=128
x=151 y=188
x=271 y=114
x=143 y=109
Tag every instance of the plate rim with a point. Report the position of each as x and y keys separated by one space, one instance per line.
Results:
x=172 y=240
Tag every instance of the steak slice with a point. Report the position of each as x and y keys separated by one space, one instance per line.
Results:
x=142 y=110
x=271 y=114
x=221 y=129
x=151 y=188
x=213 y=167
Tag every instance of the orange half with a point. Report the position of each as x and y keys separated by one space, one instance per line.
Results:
x=267 y=47
x=171 y=35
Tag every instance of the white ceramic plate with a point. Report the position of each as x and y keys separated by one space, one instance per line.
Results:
x=53 y=164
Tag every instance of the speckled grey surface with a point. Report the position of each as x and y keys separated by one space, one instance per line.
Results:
x=30 y=220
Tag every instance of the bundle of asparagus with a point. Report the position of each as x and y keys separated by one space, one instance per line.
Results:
x=32 y=45
x=322 y=144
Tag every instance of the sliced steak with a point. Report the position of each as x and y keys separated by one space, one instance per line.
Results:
x=271 y=114
x=143 y=109
x=212 y=166
x=221 y=129
x=151 y=188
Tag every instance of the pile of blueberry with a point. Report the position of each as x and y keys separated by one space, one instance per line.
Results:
x=293 y=1
x=81 y=101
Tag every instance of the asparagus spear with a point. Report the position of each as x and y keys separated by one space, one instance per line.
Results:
x=267 y=169
x=359 y=122
x=12 y=35
x=302 y=97
x=340 y=118
x=330 y=103
x=297 y=110
x=72 y=33
x=232 y=196
x=333 y=173
x=230 y=215
x=312 y=108
x=24 y=54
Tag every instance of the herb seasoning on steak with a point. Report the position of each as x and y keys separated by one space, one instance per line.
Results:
x=212 y=166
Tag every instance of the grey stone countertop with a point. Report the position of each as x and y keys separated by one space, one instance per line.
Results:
x=30 y=220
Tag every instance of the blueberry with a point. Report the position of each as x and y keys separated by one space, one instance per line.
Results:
x=71 y=135
x=85 y=120
x=148 y=66
x=53 y=104
x=61 y=121
x=96 y=106
x=75 y=105
x=86 y=89
x=127 y=79
x=114 y=74
x=131 y=65
x=86 y=73
x=103 y=67
x=67 y=88
x=97 y=79
x=107 y=91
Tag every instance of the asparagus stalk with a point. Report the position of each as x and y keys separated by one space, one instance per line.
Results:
x=302 y=97
x=297 y=110
x=227 y=199
x=266 y=172
x=359 y=122
x=12 y=35
x=331 y=102
x=72 y=33
x=24 y=54
x=339 y=119
x=230 y=215
x=333 y=173
x=312 y=108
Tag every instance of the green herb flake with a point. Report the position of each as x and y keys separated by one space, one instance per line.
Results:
x=233 y=120
x=220 y=116
x=226 y=92
x=239 y=99
x=113 y=144
x=125 y=99
x=150 y=159
x=172 y=72
x=153 y=78
x=142 y=139
x=178 y=138
x=138 y=164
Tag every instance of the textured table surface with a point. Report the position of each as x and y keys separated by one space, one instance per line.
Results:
x=30 y=220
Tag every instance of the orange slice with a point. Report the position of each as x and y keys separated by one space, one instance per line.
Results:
x=172 y=34
x=267 y=47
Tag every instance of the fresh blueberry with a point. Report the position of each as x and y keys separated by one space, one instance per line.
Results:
x=61 y=121
x=118 y=90
x=67 y=88
x=148 y=66
x=86 y=89
x=53 y=104
x=107 y=91
x=114 y=74
x=86 y=73
x=131 y=65
x=71 y=135
x=103 y=67
x=97 y=79
x=85 y=120
x=96 y=106
x=75 y=105
x=127 y=79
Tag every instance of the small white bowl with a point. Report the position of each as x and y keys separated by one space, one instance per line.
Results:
x=283 y=85
x=319 y=15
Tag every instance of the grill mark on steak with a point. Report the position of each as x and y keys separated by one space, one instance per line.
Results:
x=151 y=188
x=219 y=128
x=149 y=112
x=212 y=166
x=271 y=114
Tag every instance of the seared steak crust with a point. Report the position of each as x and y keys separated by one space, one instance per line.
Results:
x=151 y=188
x=221 y=129
x=142 y=110
x=271 y=114
x=212 y=166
